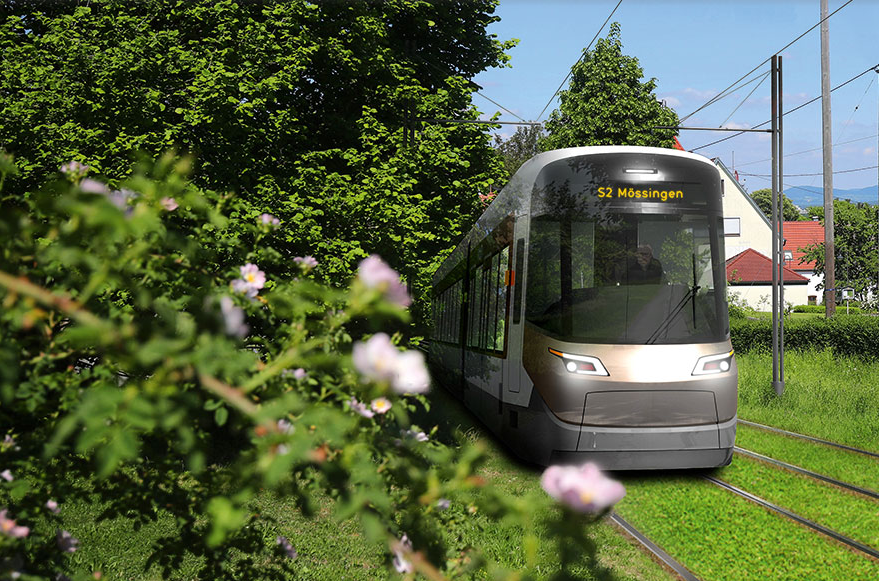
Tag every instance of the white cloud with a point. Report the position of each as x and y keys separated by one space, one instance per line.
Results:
x=699 y=94
x=671 y=101
x=736 y=126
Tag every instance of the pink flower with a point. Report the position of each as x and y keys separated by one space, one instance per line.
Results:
x=584 y=488
x=411 y=373
x=7 y=475
x=269 y=220
x=443 y=503
x=286 y=547
x=308 y=262
x=91 y=186
x=10 y=529
x=66 y=542
x=251 y=281
x=375 y=273
x=376 y=359
x=53 y=506
x=401 y=549
x=253 y=276
x=380 y=405
x=170 y=204
x=299 y=373
x=233 y=318
x=360 y=408
x=74 y=169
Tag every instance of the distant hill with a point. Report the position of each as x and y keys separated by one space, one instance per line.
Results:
x=806 y=196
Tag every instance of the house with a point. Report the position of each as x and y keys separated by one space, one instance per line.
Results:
x=749 y=275
x=799 y=235
x=748 y=247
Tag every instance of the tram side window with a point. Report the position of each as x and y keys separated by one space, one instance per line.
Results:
x=489 y=303
x=447 y=313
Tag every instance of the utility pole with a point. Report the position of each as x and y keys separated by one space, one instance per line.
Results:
x=777 y=231
x=829 y=258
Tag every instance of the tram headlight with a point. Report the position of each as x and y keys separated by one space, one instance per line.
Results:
x=581 y=364
x=712 y=364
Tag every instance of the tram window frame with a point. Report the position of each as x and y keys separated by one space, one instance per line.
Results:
x=519 y=282
x=490 y=304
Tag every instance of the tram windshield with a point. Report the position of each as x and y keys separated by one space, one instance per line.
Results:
x=626 y=273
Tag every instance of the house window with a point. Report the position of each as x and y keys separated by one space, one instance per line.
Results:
x=813 y=299
x=732 y=226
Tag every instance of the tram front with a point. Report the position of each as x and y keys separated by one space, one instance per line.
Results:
x=627 y=329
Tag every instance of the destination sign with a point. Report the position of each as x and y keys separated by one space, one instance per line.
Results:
x=644 y=194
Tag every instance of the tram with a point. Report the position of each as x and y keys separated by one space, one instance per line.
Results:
x=584 y=316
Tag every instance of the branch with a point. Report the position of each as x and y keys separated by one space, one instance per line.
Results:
x=59 y=301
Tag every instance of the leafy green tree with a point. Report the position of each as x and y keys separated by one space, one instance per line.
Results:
x=763 y=199
x=854 y=233
x=306 y=109
x=519 y=147
x=609 y=103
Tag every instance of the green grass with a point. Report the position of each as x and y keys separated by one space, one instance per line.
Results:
x=847 y=513
x=720 y=536
x=849 y=467
x=831 y=398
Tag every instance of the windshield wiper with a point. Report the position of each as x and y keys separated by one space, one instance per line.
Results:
x=672 y=314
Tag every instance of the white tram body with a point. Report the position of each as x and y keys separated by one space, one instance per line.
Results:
x=584 y=315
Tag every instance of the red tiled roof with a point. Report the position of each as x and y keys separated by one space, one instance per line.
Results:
x=799 y=235
x=751 y=267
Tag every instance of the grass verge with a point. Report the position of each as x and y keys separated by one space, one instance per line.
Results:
x=720 y=536
x=832 y=398
x=845 y=512
x=840 y=464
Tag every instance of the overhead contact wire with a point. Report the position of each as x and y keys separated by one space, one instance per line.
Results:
x=568 y=76
x=726 y=91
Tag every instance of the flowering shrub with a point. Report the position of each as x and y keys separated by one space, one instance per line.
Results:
x=147 y=349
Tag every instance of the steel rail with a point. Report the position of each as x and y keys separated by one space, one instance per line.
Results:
x=795 y=517
x=678 y=568
x=811 y=438
x=809 y=473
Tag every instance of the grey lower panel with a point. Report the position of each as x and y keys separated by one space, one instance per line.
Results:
x=647 y=460
x=536 y=435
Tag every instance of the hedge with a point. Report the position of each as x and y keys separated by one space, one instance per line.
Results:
x=845 y=336
x=820 y=309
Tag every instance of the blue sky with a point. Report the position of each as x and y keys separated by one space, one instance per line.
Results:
x=697 y=48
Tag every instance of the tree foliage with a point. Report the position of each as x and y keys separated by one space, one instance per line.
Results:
x=855 y=253
x=763 y=199
x=608 y=103
x=309 y=109
x=519 y=147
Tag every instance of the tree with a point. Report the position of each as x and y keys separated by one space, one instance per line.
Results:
x=607 y=103
x=519 y=147
x=854 y=229
x=763 y=199
x=306 y=109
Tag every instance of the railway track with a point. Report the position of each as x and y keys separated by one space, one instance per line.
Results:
x=795 y=517
x=810 y=438
x=809 y=473
x=653 y=548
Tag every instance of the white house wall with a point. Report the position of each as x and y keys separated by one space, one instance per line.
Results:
x=755 y=230
x=759 y=297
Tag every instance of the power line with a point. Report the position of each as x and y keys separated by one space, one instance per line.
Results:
x=581 y=58
x=784 y=186
x=804 y=175
x=746 y=98
x=727 y=91
x=808 y=150
x=786 y=113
